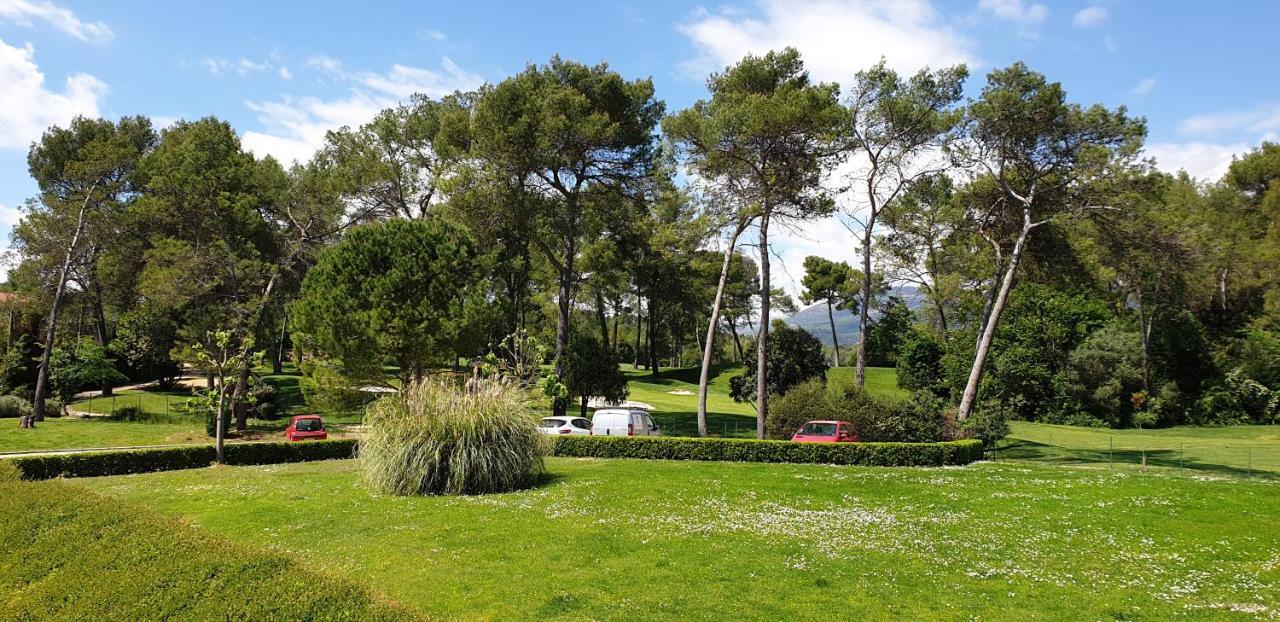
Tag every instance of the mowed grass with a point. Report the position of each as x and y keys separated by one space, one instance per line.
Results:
x=72 y=432
x=152 y=401
x=624 y=539
x=1252 y=450
x=674 y=396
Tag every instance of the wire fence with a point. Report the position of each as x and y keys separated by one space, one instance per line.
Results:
x=178 y=407
x=1229 y=457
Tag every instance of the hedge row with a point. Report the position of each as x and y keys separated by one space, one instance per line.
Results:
x=750 y=450
x=123 y=462
x=67 y=553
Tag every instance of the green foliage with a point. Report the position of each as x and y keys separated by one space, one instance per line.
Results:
x=435 y=437
x=87 y=364
x=326 y=389
x=53 y=407
x=1260 y=356
x=886 y=336
x=124 y=462
x=793 y=356
x=13 y=364
x=920 y=362
x=750 y=450
x=807 y=401
x=128 y=413
x=1238 y=400
x=145 y=336
x=590 y=369
x=917 y=420
x=394 y=290
x=989 y=423
x=12 y=406
x=102 y=559
x=1103 y=377
x=267 y=403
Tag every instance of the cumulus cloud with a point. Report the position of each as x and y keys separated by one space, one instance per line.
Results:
x=27 y=107
x=1264 y=118
x=1015 y=10
x=1090 y=17
x=26 y=12
x=1202 y=160
x=296 y=126
x=837 y=38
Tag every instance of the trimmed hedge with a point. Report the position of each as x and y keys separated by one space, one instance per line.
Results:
x=126 y=461
x=751 y=450
x=67 y=553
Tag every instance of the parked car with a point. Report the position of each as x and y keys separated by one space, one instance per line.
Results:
x=306 y=427
x=553 y=426
x=826 y=432
x=623 y=422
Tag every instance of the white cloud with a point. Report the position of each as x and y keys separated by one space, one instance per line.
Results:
x=242 y=66
x=295 y=127
x=27 y=108
x=1264 y=118
x=837 y=38
x=434 y=35
x=1204 y=161
x=285 y=73
x=1090 y=17
x=1145 y=86
x=1015 y=10
x=22 y=12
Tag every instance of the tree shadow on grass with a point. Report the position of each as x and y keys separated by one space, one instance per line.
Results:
x=1031 y=451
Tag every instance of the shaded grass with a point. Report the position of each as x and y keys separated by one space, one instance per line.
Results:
x=625 y=539
x=69 y=554
x=1234 y=450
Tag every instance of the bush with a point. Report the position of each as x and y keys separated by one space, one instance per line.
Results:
x=438 y=438
x=266 y=402
x=793 y=356
x=863 y=410
x=989 y=423
x=53 y=407
x=72 y=554
x=920 y=419
x=126 y=461
x=808 y=401
x=12 y=406
x=128 y=413
x=920 y=363
x=744 y=450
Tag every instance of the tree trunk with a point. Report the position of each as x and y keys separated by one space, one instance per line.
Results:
x=653 y=353
x=997 y=307
x=860 y=366
x=704 y=375
x=834 y=341
x=565 y=304
x=992 y=292
x=737 y=341
x=239 y=402
x=603 y=318
x=762 y=339
x=582 y=410
x=635 y=360
x=942 y=317
x=42 y=376
x=277 y=361
x=1144 y=330
x=219 y=425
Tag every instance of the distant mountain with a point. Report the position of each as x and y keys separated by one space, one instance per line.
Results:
x=814 y=318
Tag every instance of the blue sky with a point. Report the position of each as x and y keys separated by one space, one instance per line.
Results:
x=1203 y=74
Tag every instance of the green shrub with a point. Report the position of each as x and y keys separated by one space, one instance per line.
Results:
x=920 y=363
x=53 y=407
x=12 y=406
x=128 y=413
x=864 y=410
x=435 y=437
x=989 y=423
x=126 y=461
x=808 y=401
x=917 y=420
x=792 y=357
x=267 y=402
x=744 y=450
x=67 y=553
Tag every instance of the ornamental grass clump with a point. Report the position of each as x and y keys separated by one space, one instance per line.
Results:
x=436 y=437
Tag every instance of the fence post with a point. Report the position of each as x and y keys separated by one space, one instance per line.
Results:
x=1111 y=452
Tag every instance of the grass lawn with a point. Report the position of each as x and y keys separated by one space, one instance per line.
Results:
x=674 y=397
x=153 y=401
x=72 y=432
x=623 y=539
x=1235 y=450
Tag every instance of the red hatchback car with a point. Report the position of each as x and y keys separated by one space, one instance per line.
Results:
x=826 y=432
x=304 y=427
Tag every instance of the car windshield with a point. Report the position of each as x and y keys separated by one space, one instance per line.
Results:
x=308 y=425
x=818 y=429
x=550 y=423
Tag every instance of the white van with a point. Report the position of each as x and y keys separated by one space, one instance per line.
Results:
x=623 y=422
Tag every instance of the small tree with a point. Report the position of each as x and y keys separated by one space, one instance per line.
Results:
x=793 y=356
x=832 y=283
x=591 y=370
x=84 y=365
x=225 y=360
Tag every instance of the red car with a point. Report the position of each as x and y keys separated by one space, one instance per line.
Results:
x=826 y=432
x=303 y=427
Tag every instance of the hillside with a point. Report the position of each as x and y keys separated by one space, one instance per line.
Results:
x=814 y=318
